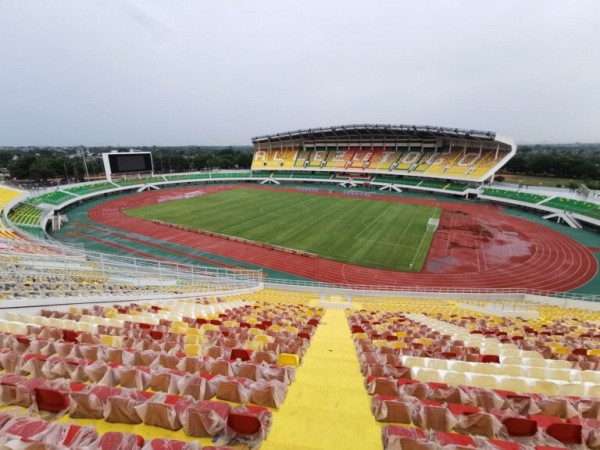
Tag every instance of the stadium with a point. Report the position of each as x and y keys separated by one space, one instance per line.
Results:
x=362 y=286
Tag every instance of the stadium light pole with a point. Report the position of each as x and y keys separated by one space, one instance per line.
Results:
x=87 y=174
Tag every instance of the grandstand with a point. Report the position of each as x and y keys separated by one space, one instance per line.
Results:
x=116 y=351
x=410 y=151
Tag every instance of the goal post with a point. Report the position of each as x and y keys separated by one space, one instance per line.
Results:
x=432 y=224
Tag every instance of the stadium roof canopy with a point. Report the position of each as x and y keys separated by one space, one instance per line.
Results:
x=377 y=132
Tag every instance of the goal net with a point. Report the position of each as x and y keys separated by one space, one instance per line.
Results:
x=432 y=224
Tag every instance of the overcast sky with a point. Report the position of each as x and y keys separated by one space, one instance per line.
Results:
x=175 y=72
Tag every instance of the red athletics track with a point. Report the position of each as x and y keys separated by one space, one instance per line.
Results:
x=475 y=246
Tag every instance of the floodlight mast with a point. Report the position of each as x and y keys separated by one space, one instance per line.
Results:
x=87 y=174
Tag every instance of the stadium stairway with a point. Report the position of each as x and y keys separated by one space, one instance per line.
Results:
x=328 y=406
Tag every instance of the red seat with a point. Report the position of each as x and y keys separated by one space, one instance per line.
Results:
x=114 y=440
x=520 y=427
x=24 y=427
x=241 y=354
x=545 y=421
x=70 y=335
x=444 y=438
x=156 y=335
x=567 y=433
x=166 y=444
x=50 y=399
x=244 y=424
x=457 y=409
x=489 y=359
x=505 y=445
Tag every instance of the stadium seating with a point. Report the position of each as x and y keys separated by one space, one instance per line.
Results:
x=515 y=195
x=145 y=377
x=401 y=160
x=55 y=198
x=575 y=206
x=26 y=215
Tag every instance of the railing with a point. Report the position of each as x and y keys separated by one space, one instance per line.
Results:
x=396 y=290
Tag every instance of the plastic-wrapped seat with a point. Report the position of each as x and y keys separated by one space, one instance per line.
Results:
x=135 y=377
x=163 y=411
x=205 y=418
x=115 y=440
x=232 y=389
x=481 y=424
x=50 y=399
x=220 y=367
x=285 y=374
x=32 y=365
x=392 y=409
x=268 y=393
x=195 y=386
x=122 y=408
x=170 y=444
x=434 y=417
x=396 y=437
x=90 y=404
x=165 y=381
x=247 y=424
x=382 y=386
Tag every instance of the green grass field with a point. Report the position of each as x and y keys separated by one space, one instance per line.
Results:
x=365 y=232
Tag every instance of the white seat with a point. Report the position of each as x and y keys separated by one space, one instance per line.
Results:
x=486 y=368
x=439 y=364
x=531 y=354
x=588 y=376
x=509 y=383
x=485 y=381
x=512 y=371
x=461 y=366
x=453 y=378
x=429 y=375
x=539 y=373
x=573 y=389
x=546 y=387
x=413 y=361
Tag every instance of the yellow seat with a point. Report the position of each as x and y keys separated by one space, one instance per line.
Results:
x=191 y=339
x=264 y=338
x=288 y=359
x=594 y=352
x=106 y=340
x=255 y=345
x=397 y=344
x=192 y=349
x=275 y=327
x=357 y=336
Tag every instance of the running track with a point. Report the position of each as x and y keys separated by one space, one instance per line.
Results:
x=476 y=246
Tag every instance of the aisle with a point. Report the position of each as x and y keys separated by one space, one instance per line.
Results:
x=327 y=407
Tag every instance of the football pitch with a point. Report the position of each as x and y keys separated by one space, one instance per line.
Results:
x=361 y=231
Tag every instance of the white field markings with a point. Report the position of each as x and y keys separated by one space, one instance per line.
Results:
x=274 y=213
x=422 y=239
x=375 y=241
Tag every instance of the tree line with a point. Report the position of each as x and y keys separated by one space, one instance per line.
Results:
x=76 y=164
x=561 y=161
x=576 y=161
